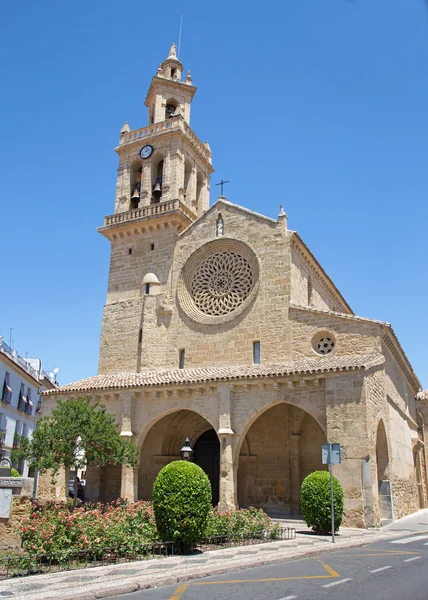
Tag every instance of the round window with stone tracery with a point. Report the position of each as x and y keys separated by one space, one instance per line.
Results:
x=221 y=283
x=324 y=343
x=218 y=281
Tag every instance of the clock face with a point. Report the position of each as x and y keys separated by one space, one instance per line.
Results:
x=146 y=151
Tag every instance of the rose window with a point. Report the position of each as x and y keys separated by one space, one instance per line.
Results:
x=325 y=345
x=221 y=283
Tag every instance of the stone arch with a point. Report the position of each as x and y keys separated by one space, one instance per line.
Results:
x=382 y=452
x=135 y=175
x=141 y=436
x=279 y=447
x=161 y=441
x=171 y=106
x=289 y=401
x=188 y=179
x=383 y=472
x=157 y=177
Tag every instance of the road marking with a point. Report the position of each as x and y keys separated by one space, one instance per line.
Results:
x=288 y=598
x=381 y=569
x=259 y=580
x=179 y=592
x=336 y=582
x=410 y=559
x=380 y=553
x=329 y=570
x=407 y=540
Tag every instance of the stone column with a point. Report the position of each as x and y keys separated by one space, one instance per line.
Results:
x=129 y=481
x=227 y=469
x=92 y=487
x=295 y=473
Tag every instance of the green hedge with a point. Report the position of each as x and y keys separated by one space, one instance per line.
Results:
x=182 y=501
x=315 y=501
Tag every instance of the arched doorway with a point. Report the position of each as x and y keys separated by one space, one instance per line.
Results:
x=384 y=484
x=280 y=449
x=163 y=442
x=206 y=454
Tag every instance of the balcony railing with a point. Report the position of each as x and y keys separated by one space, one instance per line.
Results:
x=149 y=211
x=170 y=124
x=18 y=359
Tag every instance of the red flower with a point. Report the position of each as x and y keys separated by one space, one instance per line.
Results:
x=24 y=529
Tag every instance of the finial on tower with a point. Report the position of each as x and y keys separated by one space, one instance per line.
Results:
x=125 y=128
x=189 y=78
x=282 y=217
x=173 y=51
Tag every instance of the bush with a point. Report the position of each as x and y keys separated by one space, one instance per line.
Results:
x=14 y=472
x=316 y=502
x=247 y=522
x=182 y=500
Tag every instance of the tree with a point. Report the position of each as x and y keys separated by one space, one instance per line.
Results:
x=77 y=434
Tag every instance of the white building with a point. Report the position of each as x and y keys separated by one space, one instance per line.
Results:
x=21 y=382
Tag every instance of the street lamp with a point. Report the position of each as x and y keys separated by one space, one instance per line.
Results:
x=186 y=451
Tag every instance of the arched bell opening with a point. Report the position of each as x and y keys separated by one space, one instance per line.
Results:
x=199 y=189
x=281 y=448
x=157 y=180
x=171 y=107
x=187 y=179
x=164 y=441
x=135 y=185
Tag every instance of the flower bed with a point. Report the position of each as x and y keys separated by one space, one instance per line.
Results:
x=55 y=537
x=54 y=528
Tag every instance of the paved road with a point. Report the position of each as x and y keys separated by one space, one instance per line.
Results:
x=390 y=570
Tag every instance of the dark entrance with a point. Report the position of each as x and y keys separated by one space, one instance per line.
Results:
x=207 y=456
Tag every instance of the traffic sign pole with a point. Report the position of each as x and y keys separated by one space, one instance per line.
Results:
x=332 y=502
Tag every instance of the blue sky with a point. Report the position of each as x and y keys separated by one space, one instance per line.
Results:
x=320 y=106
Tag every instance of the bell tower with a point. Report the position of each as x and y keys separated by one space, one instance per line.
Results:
x=165 y=160
x=163 y=185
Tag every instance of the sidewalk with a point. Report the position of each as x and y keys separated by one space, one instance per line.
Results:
x=112 y=580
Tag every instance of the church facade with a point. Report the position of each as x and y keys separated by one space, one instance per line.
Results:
x=220 y=325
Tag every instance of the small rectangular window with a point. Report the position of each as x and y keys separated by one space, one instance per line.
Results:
x=129 y=250
x=181 y=359
x=152 y=246
x=256 y=353
x=7 y=390
x=147 y=288
x=140 y=336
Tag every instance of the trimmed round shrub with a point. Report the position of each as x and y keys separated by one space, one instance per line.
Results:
x=182 y=501
x=315 y=501
x=14 y=472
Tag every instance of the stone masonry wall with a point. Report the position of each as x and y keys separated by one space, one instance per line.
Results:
x=351 y=336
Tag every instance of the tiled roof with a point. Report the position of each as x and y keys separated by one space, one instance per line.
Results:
x=159 y=377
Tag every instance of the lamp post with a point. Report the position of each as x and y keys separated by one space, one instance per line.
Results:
x=186 y=451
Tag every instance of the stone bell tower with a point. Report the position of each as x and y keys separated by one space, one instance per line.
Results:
x=164 y=160
x=162 y=186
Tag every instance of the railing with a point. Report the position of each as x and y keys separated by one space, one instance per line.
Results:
x=18 y=564
x=170 y=124
x=18 y=359
x=148 y=211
